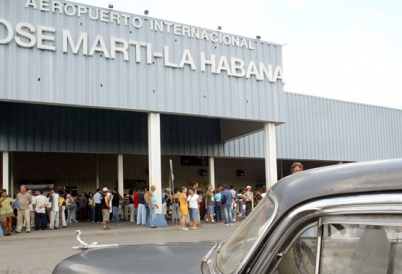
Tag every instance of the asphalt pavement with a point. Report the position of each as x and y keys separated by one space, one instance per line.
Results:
x=40 y=251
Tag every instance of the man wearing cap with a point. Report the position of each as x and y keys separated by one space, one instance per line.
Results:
x=248 y=200
x=105 y=203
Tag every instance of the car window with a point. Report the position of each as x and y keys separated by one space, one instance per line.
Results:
x=242 y=241
x=362 y=248
x=300 y=256
x=357 y=248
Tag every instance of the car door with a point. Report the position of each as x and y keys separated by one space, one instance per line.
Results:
x=343 y=244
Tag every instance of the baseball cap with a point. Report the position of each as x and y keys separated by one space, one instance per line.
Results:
x=105 y=189
x=248 y=187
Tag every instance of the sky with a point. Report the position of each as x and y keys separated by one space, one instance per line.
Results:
x=338 y=49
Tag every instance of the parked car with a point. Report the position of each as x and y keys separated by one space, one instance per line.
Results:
x=338 y=219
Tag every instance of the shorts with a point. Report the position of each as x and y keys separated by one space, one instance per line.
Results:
x=211 y=209
x=193 y=213
x=7 y=215
x=105 y=214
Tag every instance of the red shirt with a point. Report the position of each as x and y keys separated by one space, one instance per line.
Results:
x=136 y=200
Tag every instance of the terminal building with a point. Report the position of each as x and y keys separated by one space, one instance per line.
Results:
x=93 y=97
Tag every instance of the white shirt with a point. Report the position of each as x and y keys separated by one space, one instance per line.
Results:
x=39 y=201
x=55 y=202
x=31 y=204
x=68 y=199
x=193 y=201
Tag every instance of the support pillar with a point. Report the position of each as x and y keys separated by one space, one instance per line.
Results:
x=120 y=172
x=271 y=176
x=11 y=168
x=211 y=171
x=6 y=171
x=154 y=159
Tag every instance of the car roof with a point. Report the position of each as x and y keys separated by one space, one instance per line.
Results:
x=338 y=180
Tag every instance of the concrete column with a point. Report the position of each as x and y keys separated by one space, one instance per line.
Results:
x=271 y=176
x=120 y=177
x=6 y=171
x=154 y=159
x=211 y=171
x=11 y=168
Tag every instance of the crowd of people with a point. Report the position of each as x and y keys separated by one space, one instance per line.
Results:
x=221 y=205
x=38 y=211
x=184 y=206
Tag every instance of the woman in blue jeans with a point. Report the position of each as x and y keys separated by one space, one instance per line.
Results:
x=218 y=208
x=72 y=212
x=152 y=207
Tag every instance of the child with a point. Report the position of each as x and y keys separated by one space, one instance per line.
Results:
x=234 y=206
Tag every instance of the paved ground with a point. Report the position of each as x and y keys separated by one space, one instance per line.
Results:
x=39 y=251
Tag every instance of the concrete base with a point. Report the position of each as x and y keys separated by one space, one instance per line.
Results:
x=160 y=220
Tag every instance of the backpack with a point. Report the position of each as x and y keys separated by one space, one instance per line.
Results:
x=223 y=199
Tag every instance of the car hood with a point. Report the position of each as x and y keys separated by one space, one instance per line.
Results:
x=167 y=258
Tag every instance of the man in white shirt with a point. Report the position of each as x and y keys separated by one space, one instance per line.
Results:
x=40 y=205
x=54 y=210
x=98 y=206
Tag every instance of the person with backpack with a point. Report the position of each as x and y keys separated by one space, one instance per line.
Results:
x=226 y=201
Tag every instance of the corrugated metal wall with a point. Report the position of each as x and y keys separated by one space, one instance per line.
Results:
x=325 y=129
x=28 y=127
x=43 y=76
x=318 y=129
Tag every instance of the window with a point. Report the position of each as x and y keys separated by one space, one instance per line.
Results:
x=247 y=236
x=300 y=256
x=360 y=248
x=352 y=244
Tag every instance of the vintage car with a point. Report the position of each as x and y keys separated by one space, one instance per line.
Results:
x=339 y=219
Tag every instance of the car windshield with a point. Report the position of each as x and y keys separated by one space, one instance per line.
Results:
x=242 y=241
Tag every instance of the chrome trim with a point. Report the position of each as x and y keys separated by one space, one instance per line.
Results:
x=208 y=255
x=319 y=240
x=347 y=205
x=220 y=246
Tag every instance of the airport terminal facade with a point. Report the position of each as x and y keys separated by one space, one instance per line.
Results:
x=92 y=97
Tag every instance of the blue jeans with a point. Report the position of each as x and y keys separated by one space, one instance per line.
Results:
x=40 y=221
x=228 y=213
x=152 y=216
x=218 y=211
x=72 y=212
x=210 y=209
x=133 y=213
x=147 y=208
x=116 y=214
x=91 y=212
x=142 y=215
x=193 y=214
